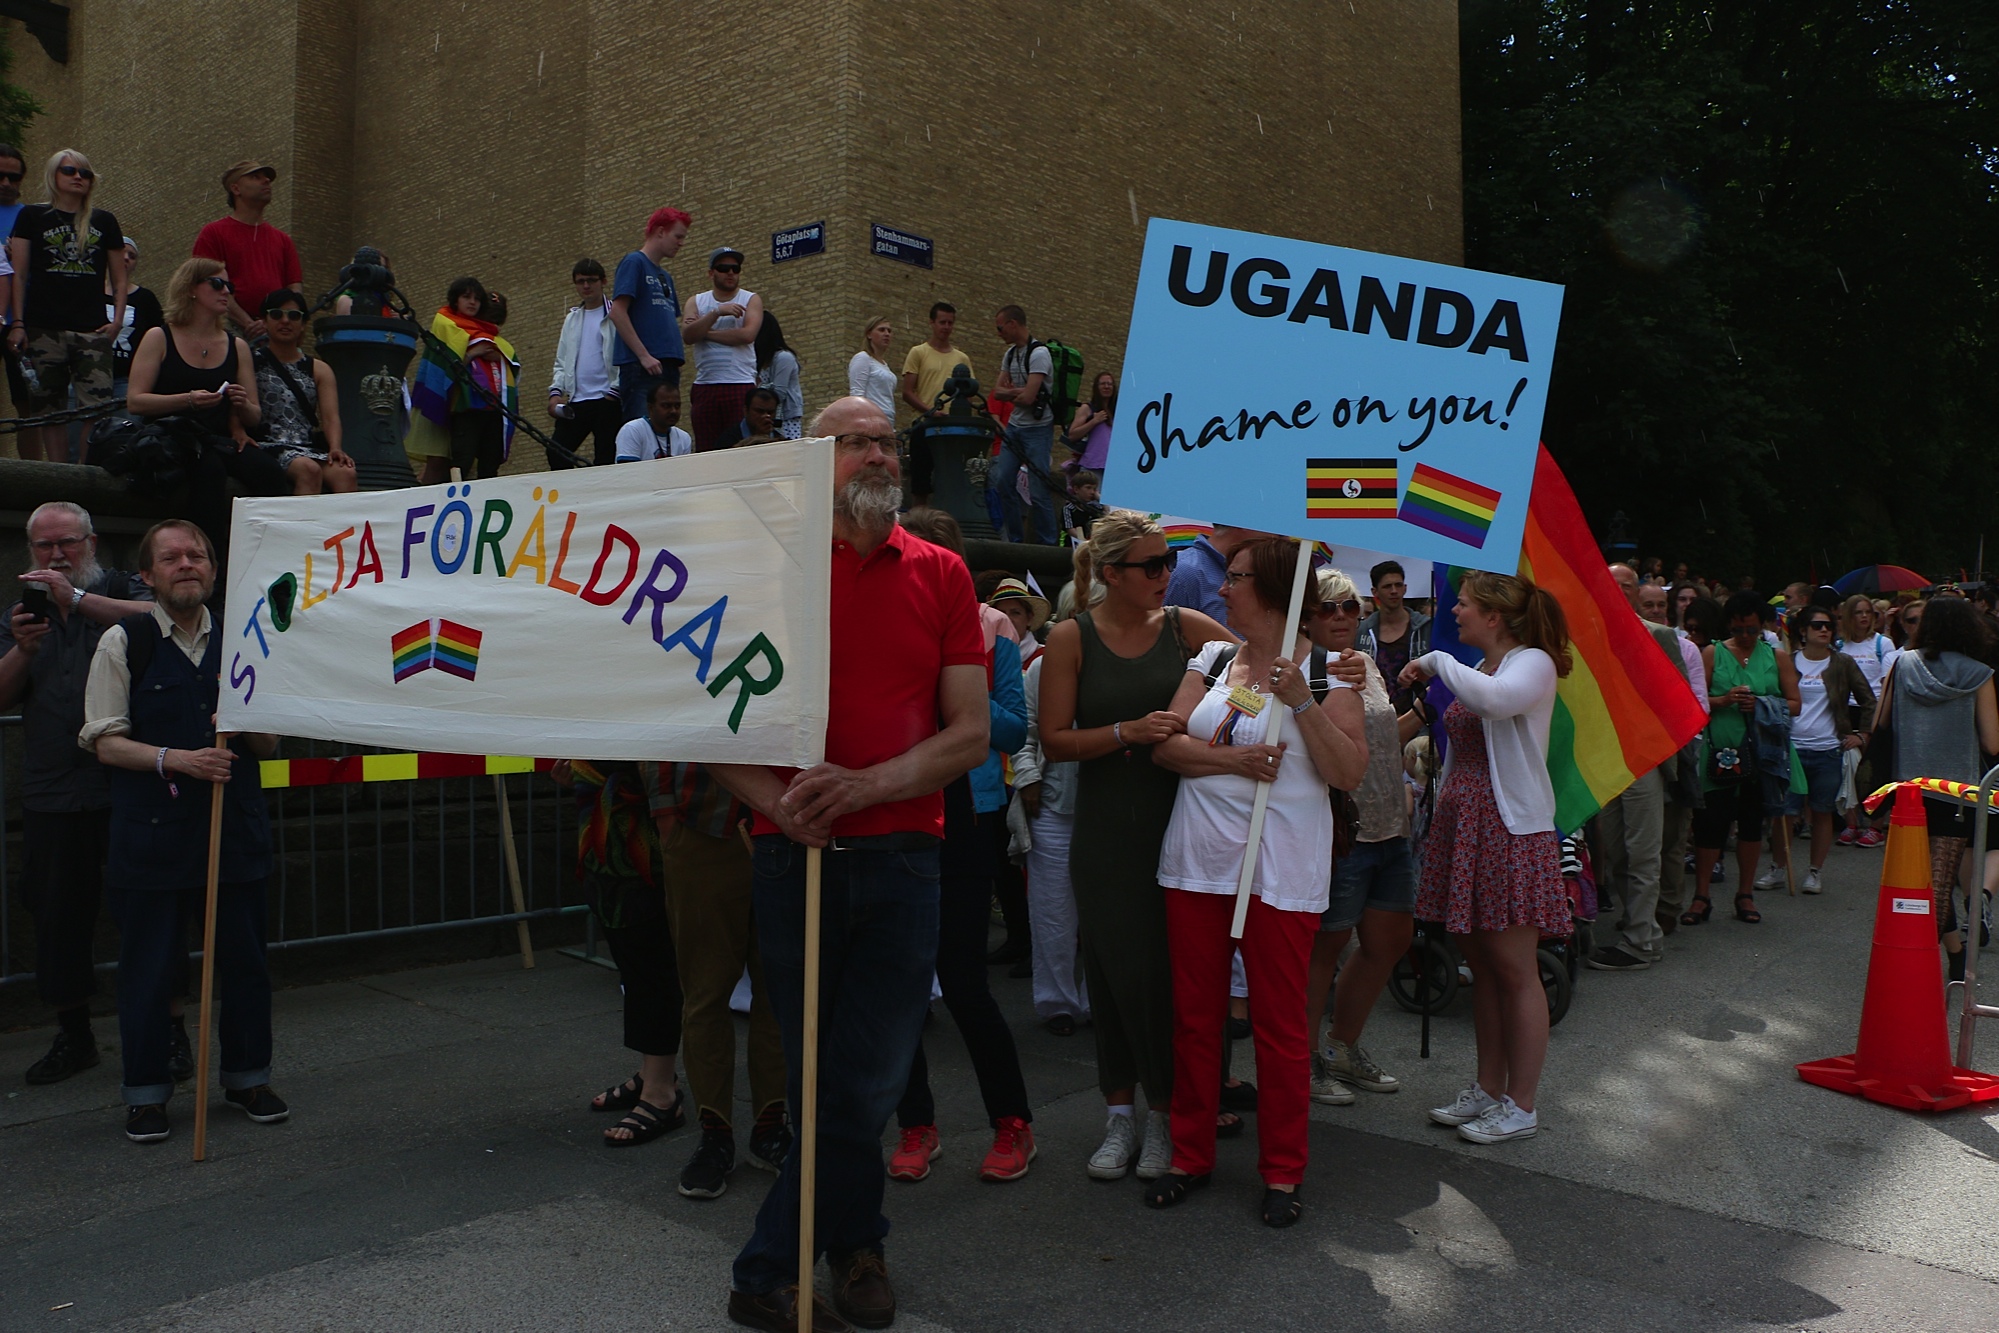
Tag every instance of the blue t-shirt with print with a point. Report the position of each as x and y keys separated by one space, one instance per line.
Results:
x=655 y=309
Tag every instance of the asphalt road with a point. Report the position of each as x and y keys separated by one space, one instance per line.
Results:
x=441 y=1172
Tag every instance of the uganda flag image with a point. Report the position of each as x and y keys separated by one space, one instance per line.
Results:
x=1350 y=488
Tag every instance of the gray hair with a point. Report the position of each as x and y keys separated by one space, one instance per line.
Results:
x=68 y=510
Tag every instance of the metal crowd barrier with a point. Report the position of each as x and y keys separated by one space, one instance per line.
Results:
x=1968 y=923
x=359 y=861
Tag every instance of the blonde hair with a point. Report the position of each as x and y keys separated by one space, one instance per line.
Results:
x=1532 y=615
x=55 y=160
x=177 y=302
x=1335 y=585
x=1080 y=565
x=1110 y=537
x=868 y=328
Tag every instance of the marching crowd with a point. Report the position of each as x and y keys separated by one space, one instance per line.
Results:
x=1093 y=764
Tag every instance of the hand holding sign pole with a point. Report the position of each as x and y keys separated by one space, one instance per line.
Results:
x=1273 y=735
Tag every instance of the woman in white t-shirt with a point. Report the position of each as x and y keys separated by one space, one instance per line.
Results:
x=868 y=374
x=1228 y=697
x=1827 y=682
x=657 y=434
x=1861 y=639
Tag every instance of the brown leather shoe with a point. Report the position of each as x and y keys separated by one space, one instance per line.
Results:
x=861 y=1289
x=777 y=1312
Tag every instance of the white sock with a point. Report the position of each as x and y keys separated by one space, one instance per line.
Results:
x=1124 y=1110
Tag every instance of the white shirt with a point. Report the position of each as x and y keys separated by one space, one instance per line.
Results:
x=593 y=377
x=107 y=690
x=1813 y=730
x=1690 y=657
x=722 y=363
x=638 y=442
x=870 y=378
x=1516 y=703
x=1209 y=831
x=1873 y=657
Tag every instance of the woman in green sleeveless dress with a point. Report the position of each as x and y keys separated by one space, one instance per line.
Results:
x=1107 y=679
x=1740 y=669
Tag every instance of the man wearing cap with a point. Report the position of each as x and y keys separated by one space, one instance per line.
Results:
x=261 y=258
x=722 y=325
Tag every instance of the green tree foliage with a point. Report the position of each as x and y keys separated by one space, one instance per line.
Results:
x=16 y=107
x=1778 y=228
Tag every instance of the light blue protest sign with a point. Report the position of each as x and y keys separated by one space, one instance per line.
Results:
x=1354 y=398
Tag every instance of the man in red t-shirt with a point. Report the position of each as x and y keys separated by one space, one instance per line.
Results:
x=907 y=716
x=260 y=257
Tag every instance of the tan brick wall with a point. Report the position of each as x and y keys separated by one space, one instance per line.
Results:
x=1031 y=141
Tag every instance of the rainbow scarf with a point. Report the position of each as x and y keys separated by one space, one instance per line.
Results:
x=439 y=387
x=1623 y=709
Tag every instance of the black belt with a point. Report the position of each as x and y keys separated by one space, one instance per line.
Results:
x=886 y=842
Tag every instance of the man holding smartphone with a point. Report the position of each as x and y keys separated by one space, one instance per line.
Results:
x=46 y=642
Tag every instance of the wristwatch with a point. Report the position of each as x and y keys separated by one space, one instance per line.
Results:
x=75 y=598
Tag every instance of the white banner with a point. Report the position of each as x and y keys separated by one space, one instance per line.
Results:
x=673 y=609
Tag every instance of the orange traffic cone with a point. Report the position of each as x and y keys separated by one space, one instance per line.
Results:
x=1904 y=1053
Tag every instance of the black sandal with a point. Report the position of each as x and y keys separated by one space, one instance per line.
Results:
x=1697 y=915
x=1242 y=1097
x=1750 y=917
x=647 y=1122
x=1062 y=1025
x=1228 y=1125
x=1281 y=1208
x=622 y=1097
x=1170 y=1189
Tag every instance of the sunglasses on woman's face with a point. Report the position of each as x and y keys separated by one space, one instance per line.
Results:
x=67 y=169
x=286 y=316
x=1349 y=607
x=1825 y=625
x=1152 y=566
x=220 y=284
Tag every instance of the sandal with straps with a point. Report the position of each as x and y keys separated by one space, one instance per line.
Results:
x=647 y=1122
x=620 y=1097
x=1228 y=1125
x=1281 y=1208
x=1170 y=1189
x=1697 y=915
x=1750 y=917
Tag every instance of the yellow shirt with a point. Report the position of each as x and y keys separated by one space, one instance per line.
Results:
x=931 y=368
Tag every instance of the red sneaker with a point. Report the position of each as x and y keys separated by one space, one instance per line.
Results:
x=1870 y=837
x=1013 y=1149
x=914 y=1153
x=1848 y=836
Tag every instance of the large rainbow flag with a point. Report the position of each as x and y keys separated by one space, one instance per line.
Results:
x=1623 y=709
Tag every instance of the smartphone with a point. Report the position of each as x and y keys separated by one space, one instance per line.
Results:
x=35 y=602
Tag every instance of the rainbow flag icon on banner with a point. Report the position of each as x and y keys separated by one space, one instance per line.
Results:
x=436 y=643
x=1350 y=488
x=1449 y=506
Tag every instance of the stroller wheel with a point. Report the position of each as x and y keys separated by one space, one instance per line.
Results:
x=1555 y=981
x=1438 y=963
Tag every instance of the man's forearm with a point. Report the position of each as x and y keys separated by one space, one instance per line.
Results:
x=621 y=320
x=933 y=764
x=110 y=610
x=124 y=752
x=754 y=785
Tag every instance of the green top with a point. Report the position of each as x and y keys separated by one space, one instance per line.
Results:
x=1728 y=726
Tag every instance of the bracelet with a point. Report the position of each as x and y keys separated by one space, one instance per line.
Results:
x=1117 y=732
x=160 y=762
x=1298 y=710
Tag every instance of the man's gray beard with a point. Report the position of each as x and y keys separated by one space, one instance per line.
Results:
x=83 y=573
x=171 y=597
x=869 y=502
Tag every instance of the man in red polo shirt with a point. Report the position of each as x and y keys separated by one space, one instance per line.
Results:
x=261 y=258
x=907 y=716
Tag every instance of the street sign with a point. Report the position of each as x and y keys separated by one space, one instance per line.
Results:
x=903 y=247
x=798 y=242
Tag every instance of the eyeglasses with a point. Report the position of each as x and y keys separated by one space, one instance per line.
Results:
x=1152 y=566
x=1350 y=607
x=886 y=442
x=11 y=177
x=285 y=316
x=728 y=268
x=582 y=278
x=1825 y=625
x=68 y=169
x=62 y=543
x=220 y=283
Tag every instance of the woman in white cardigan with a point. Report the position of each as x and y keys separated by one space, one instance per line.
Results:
x=1491 y=866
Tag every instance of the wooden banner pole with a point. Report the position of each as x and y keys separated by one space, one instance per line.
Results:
x=513 y=868
x=208 y=963
x=1272 y=735
x=808 y=1094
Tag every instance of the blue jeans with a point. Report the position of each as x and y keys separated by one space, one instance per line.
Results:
x=152 y=961
x=635 y=386
x=878 y=948
x=1033 y=443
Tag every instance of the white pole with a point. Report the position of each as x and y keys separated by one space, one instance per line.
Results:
x=1272 y=735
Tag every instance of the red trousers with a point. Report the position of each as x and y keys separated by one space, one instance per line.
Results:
x=717 y=411
x=1275 y=949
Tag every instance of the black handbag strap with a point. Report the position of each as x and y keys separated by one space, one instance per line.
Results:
x=307 y=409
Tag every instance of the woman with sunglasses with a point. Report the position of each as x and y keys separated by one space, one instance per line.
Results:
x=301 y=402
x=1874 y=653
x=1824 y=731
x=1374 y=885
x=1740 y=670
x=1108 y=678
x=1902 y=629
x=66 y=256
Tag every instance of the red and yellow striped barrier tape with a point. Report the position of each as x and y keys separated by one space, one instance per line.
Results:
x=1964 y=792
x=393 y=768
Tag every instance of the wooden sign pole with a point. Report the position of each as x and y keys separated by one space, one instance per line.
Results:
x=808 y=1093
x=1272 y=735
x=208 y=964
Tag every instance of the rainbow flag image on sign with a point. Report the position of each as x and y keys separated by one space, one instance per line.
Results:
x=1449 y=506
x=1349 y=488
x=436 y=643
x=1182 y=532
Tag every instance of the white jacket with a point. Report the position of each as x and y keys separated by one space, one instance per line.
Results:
x=569 y=342
x=1516 y=704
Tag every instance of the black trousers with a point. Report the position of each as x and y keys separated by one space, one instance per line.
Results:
x=62 y=885
x=598 y=420
x=152 y=963
x=965 y=895
x=1009 y=885
x=642 y=946
x=478 y=438
x=922 y=462
x=254 y=470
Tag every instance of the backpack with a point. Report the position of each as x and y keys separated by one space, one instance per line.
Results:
x=1063 y=383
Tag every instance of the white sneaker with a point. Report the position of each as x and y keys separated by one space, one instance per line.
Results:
x=1113 y=1159
x=1472 y=1103
x=1327 y=1090
x=1504 y=1121
x=1811 y=884
x=1155 y=1159
x=1353 y=1065
x=1773 y=878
